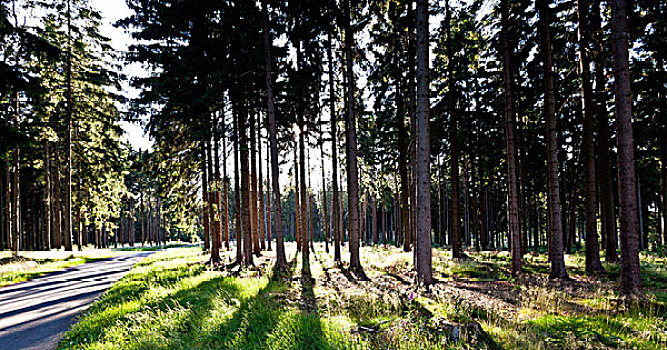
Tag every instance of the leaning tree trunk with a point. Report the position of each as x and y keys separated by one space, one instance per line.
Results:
x=557 y=254
x=627 y=191
x=593 y=264
x=510 y=130
x=424 y=270
x=352 y=168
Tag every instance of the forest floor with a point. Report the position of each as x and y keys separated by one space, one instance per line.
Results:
x=175 y=300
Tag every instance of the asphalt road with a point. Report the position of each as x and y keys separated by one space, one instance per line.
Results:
x=34 y=314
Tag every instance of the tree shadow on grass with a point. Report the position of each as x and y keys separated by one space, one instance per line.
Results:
x=266 y=321
x=123 y=302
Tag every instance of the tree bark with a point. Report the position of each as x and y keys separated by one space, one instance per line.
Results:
x=334 y=154
x=245 y=187
x=593 y=264
x=237 y=181
x=254 y=221
x=281 y=261
x=630 y=271
x=213 y=204
x=204 y=187
x=260 y=188
x=607 y=208
x=352 y=168
x=510 y=130
x=454 y=149
x=424 y=270
x=403 y=157
x=48 y=229
x=68 y=137
x=557 y=255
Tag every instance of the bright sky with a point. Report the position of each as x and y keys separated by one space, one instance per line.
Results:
x=112 y=11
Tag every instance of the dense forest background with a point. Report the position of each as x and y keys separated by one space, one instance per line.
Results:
x=531 y=146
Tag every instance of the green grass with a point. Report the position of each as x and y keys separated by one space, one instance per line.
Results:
x=172 y=300
x=34 y=264
x=153 y=248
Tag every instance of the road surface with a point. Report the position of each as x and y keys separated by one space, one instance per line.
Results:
x=34 y=314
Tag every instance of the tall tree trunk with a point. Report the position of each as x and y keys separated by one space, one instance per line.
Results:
x=204 y=187
x=7 y=211
x=453 y=140
x=16 y=211
x=48 y=230
x=57 y=192
x=237 y=181
x=352 y=168
x=141 y=214
x=374 y=220
x=213 y=204
x=297 y=198
x=325 y=220
x=68 y=137
x=218 y=197
x=225 y=184
x=557 y=254
x=663 y=159
x=305 y=250
x=593 y=264
x=424 y=270
x=254 y=221
x=260 y=188
x=630 y=272
x=403 y=159
x=269 y=194
x=608 y=212
x=335 y=202
x=245 y=186
x=510 y=130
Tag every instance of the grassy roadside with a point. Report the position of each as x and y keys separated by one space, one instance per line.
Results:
x=34 y=264
x=173 y=300
x=31 y=264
